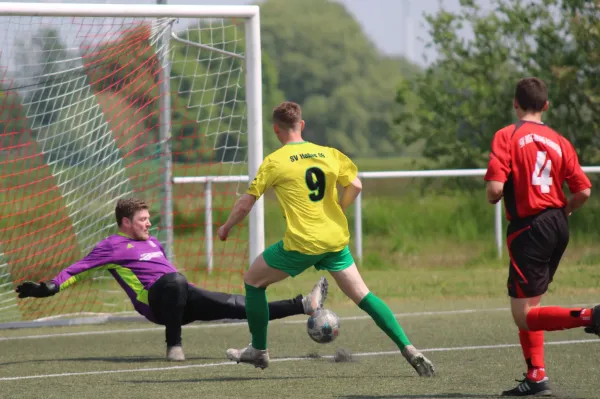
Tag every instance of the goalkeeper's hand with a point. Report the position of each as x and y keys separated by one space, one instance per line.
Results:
x=36 y=290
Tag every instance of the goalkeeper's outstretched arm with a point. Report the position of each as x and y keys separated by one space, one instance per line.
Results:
x=99 y=258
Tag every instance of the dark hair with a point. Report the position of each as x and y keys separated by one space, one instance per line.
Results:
x=531 y=94
x=127 y=207
x=287 y=115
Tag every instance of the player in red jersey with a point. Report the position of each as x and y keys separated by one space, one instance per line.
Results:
x=529 y=162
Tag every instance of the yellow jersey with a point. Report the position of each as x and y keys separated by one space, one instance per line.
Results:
x=304 y=176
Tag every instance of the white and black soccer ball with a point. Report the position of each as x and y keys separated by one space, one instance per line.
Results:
x=323 y=326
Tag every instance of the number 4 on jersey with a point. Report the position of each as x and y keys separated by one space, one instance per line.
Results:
x=541 y=175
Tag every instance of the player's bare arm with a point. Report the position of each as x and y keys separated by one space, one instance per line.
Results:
x=240 y=210
x=350 y=193
x=577 y=200
x=494 y=190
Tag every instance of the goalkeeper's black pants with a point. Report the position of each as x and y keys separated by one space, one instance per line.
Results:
x=174 y=302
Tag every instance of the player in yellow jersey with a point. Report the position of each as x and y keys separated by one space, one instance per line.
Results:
x=304 y=177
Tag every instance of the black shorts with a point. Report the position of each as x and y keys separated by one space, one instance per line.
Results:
x=535 y=246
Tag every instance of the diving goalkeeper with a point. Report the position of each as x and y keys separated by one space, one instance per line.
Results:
x=158 y=292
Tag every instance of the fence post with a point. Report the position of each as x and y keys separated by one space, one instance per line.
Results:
x=358 y=246
x=498 y=227
x=208 y=225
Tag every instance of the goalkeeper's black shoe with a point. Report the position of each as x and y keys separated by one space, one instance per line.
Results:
x=529 y=387
x=595 y=327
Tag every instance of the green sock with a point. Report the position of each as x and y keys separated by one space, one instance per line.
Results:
x=384 y=318
x=257 y=313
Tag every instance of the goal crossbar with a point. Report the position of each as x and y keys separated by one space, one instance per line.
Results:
x=127 y=10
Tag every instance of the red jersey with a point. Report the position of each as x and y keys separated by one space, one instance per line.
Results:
x=534 y=161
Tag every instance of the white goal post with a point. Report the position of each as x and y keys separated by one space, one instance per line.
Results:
x=69 y=150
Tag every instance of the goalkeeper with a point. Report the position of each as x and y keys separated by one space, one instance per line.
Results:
x=305 y=176
x=158 y=292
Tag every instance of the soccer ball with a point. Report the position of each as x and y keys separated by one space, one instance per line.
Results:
x=323 y=326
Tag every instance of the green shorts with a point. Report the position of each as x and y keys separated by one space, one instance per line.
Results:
x=294 y=262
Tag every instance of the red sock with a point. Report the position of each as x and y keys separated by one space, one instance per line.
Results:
x=552 y=318
x=532 y=343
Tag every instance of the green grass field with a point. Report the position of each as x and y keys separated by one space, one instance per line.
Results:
x=429 y=251
x=472 y=343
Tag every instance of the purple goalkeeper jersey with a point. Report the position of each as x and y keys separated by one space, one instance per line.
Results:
x=135 y=264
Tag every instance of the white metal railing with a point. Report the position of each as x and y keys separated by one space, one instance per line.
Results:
x=208 y=221
x=358 y=242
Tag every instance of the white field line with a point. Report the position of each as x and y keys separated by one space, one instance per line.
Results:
x=244 y=323
x=279 y=360
x=239 y=323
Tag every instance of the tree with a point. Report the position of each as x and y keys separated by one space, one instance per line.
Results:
x=328 y=65
x=208 y=91
x=466 y=95
x=79 y=136
x=50 y=74
x=14 y=126
x=123 y=72
x=58 y=102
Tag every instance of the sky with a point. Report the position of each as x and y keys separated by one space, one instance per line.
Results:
x=386 y=22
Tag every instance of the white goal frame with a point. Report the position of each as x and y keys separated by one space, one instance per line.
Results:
x=253 y=78
x=253 y=100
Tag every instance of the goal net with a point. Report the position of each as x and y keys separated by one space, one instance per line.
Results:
x=98 y=104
